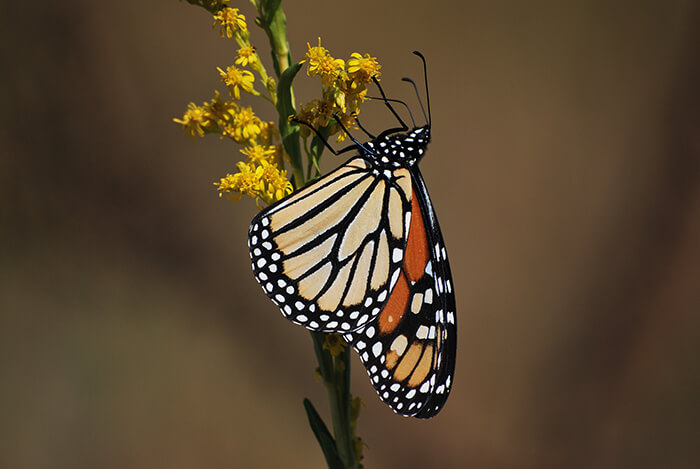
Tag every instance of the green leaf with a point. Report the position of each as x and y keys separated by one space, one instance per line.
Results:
x=285 y=108
x=323 y=436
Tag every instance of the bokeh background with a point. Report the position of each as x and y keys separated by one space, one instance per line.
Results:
x=564 y=168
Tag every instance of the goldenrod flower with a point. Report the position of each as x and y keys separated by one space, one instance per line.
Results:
x=355 y=94
x=361 y=68
x=316 y=54
x=194 y=120
x=221 y=111
x=344 y=88
x=334 y=343
x=260 y=153
x=227 y=187
x=273 y=184
x=322 y=64
x=244 y=182
x=231 y=21
x=246 y=55
x=324 y=111
x=235 y=78
x=264 y=181
x=306 y=114
x=246 y=124
x=337 y=97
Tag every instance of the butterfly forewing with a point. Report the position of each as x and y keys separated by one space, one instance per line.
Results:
x=324 y=255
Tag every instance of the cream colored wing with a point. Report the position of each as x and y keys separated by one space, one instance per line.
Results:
x=329 y=254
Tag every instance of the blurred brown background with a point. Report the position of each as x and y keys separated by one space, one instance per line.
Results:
x=564 y=167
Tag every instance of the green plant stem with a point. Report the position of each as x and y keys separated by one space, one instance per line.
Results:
x=335 y=372
x=280 y=46
x=298 y=176
x=341 y=404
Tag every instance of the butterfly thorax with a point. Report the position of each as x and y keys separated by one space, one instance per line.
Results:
x=399 y=149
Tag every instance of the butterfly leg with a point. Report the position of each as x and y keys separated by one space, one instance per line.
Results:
x=325 y=142
x=357 y=120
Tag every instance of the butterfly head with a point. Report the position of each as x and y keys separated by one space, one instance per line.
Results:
x=399 y=149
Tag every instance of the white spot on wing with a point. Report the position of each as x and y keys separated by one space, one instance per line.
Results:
x=428 y=296
x=399 y=344
x=416 y=303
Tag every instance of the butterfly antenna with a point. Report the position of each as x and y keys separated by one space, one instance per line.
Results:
x=357 y=121
x=425 y=76
x=325 y=142
x=388 y=104
x=400 y=102
x=418 y=96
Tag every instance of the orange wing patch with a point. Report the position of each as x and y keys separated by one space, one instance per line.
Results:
x=408 y=362
x=416 y=257
x=422 y=369
x=395 y=306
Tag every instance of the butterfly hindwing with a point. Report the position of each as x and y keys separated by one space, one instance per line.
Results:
x=324 y=254
x=445 y=312
x=409 y=351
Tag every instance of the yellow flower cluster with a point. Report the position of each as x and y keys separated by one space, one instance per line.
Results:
x=264 y=181
x=262 y=175
x=229 y=119
x=246 y=55
x=194 y=121
x=230 y=21
x=244 y=127
x=260 y=153
x=322 y=64
x=236 y=79
x=344 y=87
x=233 y=25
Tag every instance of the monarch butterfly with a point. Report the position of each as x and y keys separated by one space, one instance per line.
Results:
x=359 y=252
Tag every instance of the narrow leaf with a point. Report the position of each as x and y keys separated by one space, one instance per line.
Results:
x=330 y=451
x=285 y=108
